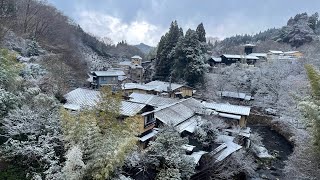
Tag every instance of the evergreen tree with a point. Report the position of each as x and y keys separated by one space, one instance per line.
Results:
x=164 y=62
x=189 y=59
x=201 y=33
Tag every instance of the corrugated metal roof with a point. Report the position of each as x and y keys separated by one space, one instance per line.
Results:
x=197 y=156
x=232 y=56
x=130 y=108
x=151 y=100
x=82 y=98
x=73 y=107
x=148 y=136
x=178 y=112
x=231 y=148
x=237 y=95
x=228 y=108
x=110 y=72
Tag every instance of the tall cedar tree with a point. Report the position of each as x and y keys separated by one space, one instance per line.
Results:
x=201 y=33
x=167 y=43
x=189 y=60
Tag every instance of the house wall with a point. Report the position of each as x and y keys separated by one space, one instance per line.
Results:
x=143 y=129
x=186 y=91
x=228 y=61
x=107 y=80
x=243 y=121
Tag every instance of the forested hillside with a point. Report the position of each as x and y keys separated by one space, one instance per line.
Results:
x=43 y=24
x=300 y=30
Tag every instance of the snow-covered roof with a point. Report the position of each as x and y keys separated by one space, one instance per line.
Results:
x=232 y=56
x=291 y=52
x=125 y=63
x=231 y=116
x=149 y=135
x=161 y=86
x=151 y=100
x=225 y=152
x=258 y=54
x=275 y=52
x=228 y=108
x=136 y=57
x=178 y=112
x=121 y=78
x=197 y=156
x=81 y=98
x=110 y=72
x=130 y=108
x=216 y=59
x=250 y=45
x=236 y=95
x=188 y=147
x=190 y=125
x=73 y=107
x=127 y=86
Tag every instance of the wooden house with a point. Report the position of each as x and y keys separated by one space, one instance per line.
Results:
x=248 y=48
x=167 y=89
x=230 y=59
x=213 y=61
x=237 y=115
x=110 y=77
x=293 y=54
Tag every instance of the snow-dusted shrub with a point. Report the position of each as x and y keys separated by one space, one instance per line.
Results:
x=74 y=167
x=166 y=152
x=8 y=101
x=33 y=48
x=33 y=140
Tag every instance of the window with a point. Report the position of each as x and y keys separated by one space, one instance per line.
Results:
x=148 y=120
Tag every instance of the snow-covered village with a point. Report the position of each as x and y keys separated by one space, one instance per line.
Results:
x=148 y=90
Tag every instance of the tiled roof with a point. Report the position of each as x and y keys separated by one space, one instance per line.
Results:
x=178 y=112
x=151 y=100
x=235 y=95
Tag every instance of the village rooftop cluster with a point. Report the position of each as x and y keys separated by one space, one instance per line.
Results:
x=159 y=104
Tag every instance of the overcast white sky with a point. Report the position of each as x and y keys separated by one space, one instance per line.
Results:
x=147 y=20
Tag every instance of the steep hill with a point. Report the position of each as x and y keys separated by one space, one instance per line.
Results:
x=144 y=48
x=42 y=23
